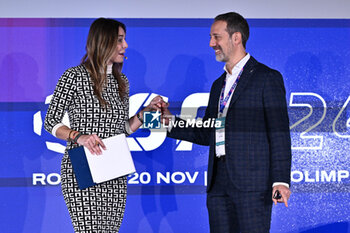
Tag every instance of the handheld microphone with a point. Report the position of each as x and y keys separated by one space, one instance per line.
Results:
x=277 y=195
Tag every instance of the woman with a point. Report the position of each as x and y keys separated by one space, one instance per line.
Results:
x=96 y=96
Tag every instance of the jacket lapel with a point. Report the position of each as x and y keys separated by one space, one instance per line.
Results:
x=216 y=94
x=248 y=71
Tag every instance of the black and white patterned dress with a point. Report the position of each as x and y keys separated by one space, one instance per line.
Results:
x=99 y=208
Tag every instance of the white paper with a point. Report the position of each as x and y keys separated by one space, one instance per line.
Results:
x=114 y=162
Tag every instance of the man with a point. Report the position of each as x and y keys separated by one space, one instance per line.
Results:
x=250 y=156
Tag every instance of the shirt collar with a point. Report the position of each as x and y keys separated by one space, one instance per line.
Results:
x=109 y=69
x=240 y=64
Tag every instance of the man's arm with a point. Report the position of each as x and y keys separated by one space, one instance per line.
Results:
x=275 y=109
x=198 y=135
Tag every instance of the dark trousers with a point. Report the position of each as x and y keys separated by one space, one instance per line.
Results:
x=232 y=210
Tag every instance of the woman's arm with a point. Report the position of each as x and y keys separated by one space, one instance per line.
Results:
x=93 y=142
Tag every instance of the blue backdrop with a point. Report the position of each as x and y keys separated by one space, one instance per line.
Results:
x=172 y=57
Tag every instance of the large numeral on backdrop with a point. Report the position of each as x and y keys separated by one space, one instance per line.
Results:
x=305 y=139
x=347 y=124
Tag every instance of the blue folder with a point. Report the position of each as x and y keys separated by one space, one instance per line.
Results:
x=81 y=167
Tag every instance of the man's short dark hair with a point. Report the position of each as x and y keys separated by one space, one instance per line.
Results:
x=235 y=23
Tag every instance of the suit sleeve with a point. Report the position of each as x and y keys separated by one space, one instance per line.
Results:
x=277 y=120
x=198 y=135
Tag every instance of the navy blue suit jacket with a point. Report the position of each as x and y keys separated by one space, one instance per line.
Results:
x=257 y=137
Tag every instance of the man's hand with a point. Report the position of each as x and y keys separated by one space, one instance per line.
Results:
x=154 y=105
x=285 y=193
x=158 y=104
x=166 y=114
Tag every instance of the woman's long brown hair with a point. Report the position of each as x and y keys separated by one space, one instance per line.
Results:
x=100 y=46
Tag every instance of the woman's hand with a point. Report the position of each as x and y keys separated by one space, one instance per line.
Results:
x=92 y=142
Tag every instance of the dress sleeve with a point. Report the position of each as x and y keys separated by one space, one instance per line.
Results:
x=127 y=129
x=61 y=99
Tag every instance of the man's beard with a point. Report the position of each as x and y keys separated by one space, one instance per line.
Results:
x=220 y=57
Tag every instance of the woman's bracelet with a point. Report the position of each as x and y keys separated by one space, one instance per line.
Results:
x=69 y=139
x=138 y=117
x=75 y=139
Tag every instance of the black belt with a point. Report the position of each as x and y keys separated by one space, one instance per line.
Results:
x=222 y=158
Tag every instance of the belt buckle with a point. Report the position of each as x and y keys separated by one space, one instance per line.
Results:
x=221 y=158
